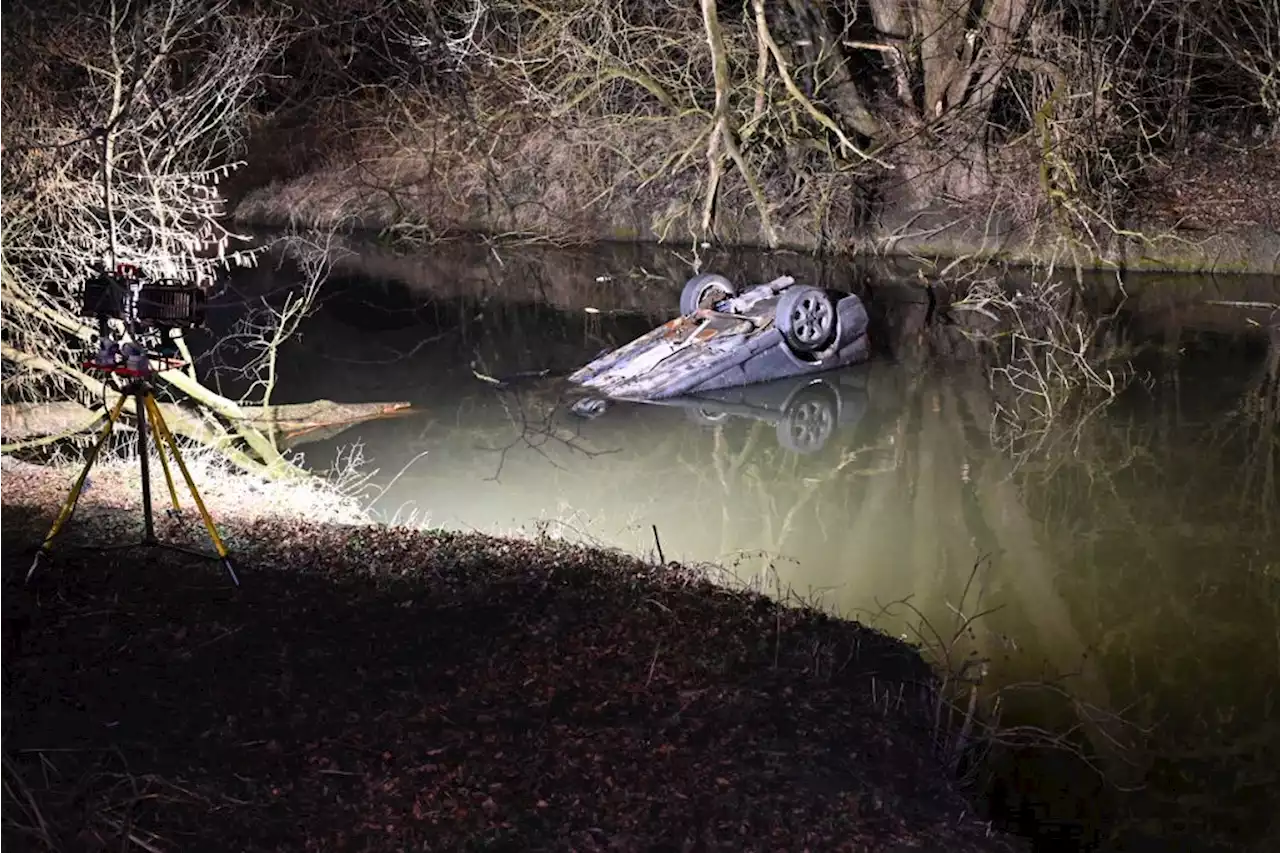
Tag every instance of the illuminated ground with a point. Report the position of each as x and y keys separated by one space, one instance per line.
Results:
x=374 y=689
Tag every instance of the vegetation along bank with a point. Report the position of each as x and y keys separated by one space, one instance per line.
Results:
x=1141 y=134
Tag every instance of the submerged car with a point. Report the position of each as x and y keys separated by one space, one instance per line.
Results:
x=725 y=338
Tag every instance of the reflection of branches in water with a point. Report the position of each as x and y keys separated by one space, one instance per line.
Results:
x=1254 y=424
x=756 y=467
x=813 y=487
x=728 y=469
x=1046 y=445
x=1216 y=748
x=951 y=497
x=1052 y=358
x=537 y=430
x=968 y=723
x=1172 y=567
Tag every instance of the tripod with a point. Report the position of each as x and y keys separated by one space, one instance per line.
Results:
x=139 y=388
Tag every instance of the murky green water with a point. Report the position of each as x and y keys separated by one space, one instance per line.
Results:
x=1124 y=568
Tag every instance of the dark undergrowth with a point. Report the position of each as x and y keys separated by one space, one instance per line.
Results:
x=380 y=689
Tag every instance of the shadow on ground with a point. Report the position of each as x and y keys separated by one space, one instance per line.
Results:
x=378 y=689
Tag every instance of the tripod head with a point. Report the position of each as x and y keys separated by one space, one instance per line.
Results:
x=151 y=312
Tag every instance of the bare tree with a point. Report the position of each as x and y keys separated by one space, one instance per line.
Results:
x=1248 y=35
x=1054 y=361
x=251 y=350
x=1027 y=106
x=120 y=125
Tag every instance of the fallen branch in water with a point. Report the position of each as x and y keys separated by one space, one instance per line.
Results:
x=296 y=423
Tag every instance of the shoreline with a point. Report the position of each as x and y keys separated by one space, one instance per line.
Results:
x=386 y=687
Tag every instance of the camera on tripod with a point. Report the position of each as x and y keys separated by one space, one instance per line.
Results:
x=150 y=311
x=125 y=294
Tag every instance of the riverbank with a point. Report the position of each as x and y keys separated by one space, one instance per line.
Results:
x=1211 y=209
x=376 y=688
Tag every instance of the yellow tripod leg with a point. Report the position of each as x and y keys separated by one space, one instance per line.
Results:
x=153 y=409
x=69 y=505
x=158 y=420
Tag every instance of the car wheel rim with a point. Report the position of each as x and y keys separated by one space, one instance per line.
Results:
x=811 y=320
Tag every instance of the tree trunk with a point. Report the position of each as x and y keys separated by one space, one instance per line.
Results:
x=821 y=49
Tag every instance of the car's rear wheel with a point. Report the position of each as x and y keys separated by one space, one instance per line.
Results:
x=704 y=291
x=806 y=316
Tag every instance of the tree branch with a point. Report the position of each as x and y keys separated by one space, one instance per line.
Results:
x=723 y=133
x=816 y=114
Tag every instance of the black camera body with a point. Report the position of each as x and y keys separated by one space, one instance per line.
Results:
x=142 y=304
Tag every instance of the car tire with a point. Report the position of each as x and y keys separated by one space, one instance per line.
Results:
x=704 y=291
x=806 y=316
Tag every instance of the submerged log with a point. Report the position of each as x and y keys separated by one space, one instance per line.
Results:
x=294 y=423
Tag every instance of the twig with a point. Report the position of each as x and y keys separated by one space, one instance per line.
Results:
x=16 y=787
x=652 y=664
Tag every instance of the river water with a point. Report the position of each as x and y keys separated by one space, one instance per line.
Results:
x=1123 y=564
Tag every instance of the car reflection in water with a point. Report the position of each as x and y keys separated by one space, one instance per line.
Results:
x=805 y=411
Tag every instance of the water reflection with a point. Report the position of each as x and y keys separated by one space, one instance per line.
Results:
x=1129 y=556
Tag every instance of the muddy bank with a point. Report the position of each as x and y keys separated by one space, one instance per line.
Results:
x=383 y=689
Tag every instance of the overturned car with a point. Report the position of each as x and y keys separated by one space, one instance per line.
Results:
x=724 y=338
